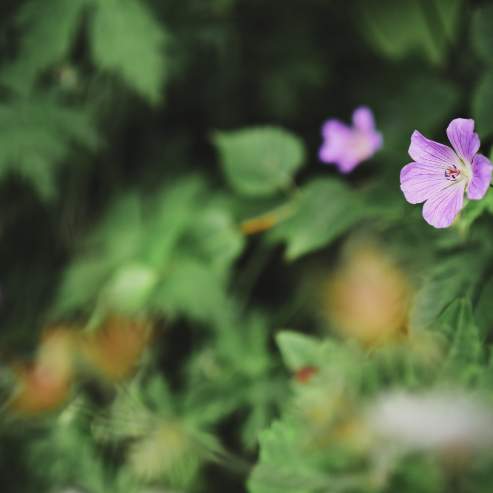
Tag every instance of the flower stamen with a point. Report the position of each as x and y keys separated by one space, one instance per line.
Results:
x=452 y=173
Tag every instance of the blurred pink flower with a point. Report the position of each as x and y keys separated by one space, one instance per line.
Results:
x=346 y=146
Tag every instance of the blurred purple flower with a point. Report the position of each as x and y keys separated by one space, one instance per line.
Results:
x=346 y=146
x=439 y=175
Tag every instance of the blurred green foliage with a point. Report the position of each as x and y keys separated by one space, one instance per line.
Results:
x=159 y=161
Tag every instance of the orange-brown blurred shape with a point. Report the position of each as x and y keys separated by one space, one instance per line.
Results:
x=45 y=384
x=368 y=296
x=265 y=221
x=259 y=224
x=115 y=349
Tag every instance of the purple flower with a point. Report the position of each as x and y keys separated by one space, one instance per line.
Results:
x=439 y=175
x=346 y=146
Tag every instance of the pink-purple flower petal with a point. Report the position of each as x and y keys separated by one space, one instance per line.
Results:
x=420 y=181
x=336 y=136
x=464 y=140
x=441 y=209
x=481 y=177
x=346 y=146
x=363 y=118
x=348 y=162
x=333 y=128
x=427 y=151
x=441 y=175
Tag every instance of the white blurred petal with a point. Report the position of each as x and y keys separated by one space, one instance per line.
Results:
x=432 y=421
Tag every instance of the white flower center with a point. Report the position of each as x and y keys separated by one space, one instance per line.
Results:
x=361 y=144
x=459 y=171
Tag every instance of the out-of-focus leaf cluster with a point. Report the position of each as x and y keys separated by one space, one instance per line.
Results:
x=158 y=169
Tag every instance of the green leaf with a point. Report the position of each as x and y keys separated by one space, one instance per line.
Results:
x=191 y=289
x=80 y=285
x=214 y=236
x=483 y=313
x=324 y=210
x=113 y=244
x=482 y=103
x=157 y=395
x=75 y=445
x=466 y=346
x=298 y=350
x=259 y=161
x=170 y=214
x=419 y=473
x=398 y=29
x=49 y=29
x=487 y=373
x=450 y=279
x=126 y=39
x=142 y=255
x=283 y=467
x=473 y=211
x=36 y=135
x=482 y=33
x=424 y=98
x=119 y=235
x=449 y=13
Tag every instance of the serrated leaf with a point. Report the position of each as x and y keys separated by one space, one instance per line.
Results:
x=259 y=161
x=166 y=451
x=482 y=103
x=36 y=135
x=127 y=40
x=49 y=31
x=466 y=348
x=324 y=210
x=282 y=468
x=449 y=280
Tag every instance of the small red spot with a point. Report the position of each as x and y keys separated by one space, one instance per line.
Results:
x=304 y=375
